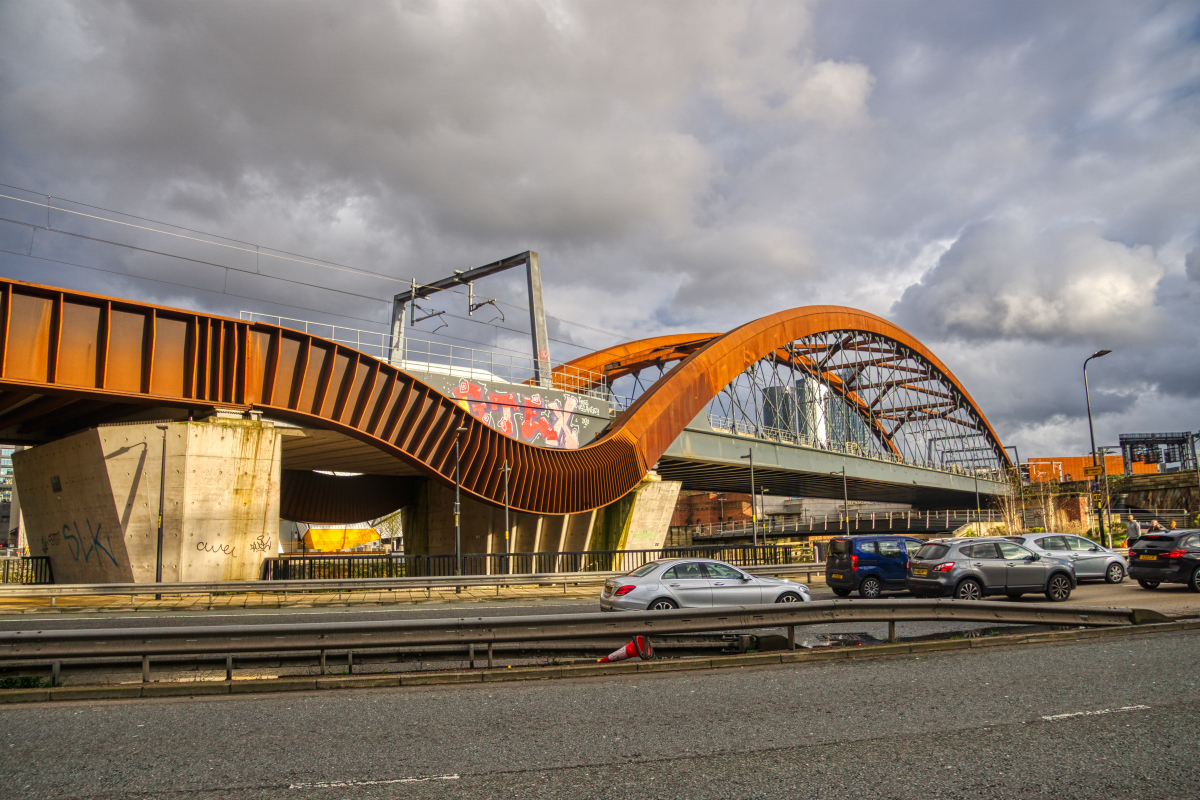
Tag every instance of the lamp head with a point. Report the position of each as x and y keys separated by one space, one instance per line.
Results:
x=1099 y=353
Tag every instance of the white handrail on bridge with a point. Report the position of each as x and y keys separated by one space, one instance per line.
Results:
x=445 y=359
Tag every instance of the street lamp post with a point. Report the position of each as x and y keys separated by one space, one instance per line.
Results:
x=507 y=561
x=978 y=508
x=1019 y=482
x=762 y=497
x=845 y=527
x=1092 y=433
x=162 y=493
x=753 y=510
x=457 y=486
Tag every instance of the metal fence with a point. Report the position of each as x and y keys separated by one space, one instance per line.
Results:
x=859 y=522
x=400 y=565
x=26 y=570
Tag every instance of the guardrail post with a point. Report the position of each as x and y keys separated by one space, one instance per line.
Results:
x=349 y=662
x=892 y=631
x=56 y=673
x=210 y=601
x=490 y=662
x=322 y=662
x=53 y=598
x=471 y=654
x=229 y=668
x=791 y=637
x=145 y=669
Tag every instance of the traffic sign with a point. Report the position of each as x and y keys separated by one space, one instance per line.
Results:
x=1093 y=472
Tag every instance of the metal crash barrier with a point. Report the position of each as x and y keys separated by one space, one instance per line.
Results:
x=51 y=647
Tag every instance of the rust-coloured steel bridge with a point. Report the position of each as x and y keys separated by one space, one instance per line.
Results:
x=70 y=360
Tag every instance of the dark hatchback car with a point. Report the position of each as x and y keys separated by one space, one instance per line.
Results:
x=969 y=569
x=1171 y=557
x=870 y=565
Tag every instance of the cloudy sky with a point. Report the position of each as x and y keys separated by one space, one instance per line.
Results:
x=1016 y=183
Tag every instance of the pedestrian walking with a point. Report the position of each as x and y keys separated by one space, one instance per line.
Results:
x=1133 y=531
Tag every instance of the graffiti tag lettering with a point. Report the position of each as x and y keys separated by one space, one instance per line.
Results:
x=80 y=545
x=260 y=544
x=525 y=417
x=205 y=547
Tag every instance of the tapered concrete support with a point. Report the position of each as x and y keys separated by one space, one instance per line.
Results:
x=650 y=518
x=90 y=501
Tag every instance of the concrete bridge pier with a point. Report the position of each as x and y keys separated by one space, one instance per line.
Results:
x=90 y=501
x=640 y=520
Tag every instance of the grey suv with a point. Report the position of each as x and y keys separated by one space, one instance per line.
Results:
x=969 y=569
x=1088 y=559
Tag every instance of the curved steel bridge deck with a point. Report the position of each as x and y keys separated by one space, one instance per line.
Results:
x=70 y=360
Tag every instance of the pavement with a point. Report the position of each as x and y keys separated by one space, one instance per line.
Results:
x=1106 y=717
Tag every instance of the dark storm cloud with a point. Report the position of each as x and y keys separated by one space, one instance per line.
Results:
x=1015 y=182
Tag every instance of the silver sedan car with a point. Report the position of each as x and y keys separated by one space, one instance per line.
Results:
x=1090 y=561
x=695 y=583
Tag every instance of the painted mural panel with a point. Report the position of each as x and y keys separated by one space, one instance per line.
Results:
x=531 y=414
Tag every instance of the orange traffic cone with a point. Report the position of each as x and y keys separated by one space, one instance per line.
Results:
x=637 y=650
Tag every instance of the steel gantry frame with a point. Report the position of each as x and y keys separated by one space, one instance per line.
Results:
x=70 y=360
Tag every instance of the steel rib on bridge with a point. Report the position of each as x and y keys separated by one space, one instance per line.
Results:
x=70 y=360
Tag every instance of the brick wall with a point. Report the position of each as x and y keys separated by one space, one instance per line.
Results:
x=1070 y=468
x=709 y=508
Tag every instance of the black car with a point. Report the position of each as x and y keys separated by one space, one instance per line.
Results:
x=1168 y=557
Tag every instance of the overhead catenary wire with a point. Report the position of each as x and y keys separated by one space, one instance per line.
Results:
x=226 y=293
x=257 y=251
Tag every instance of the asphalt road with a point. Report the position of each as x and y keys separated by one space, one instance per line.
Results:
x=1101 y=718
x=1168 y=599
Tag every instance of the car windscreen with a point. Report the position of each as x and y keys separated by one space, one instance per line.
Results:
x=644 y=570
x=932 y=552
x=840 y=547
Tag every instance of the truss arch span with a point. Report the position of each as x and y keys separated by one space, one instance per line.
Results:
x=69 y=360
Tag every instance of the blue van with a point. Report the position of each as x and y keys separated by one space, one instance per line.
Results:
x=870 y=565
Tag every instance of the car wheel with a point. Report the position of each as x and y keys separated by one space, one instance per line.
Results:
x=788 y=597
x=870 y=588
x=968 y=590
x=662 y=604
x=1114 y=574
x=1194 y=583
x=1059 y=588
x=1148 y=584
x=842 y=592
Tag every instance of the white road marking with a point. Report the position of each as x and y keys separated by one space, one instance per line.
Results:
x=1057 y=717
x=344 y=784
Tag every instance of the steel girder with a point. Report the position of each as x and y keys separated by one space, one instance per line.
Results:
x=69 y=359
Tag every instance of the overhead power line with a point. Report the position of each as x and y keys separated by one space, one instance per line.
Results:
x=257 y=250
x=227 y=293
